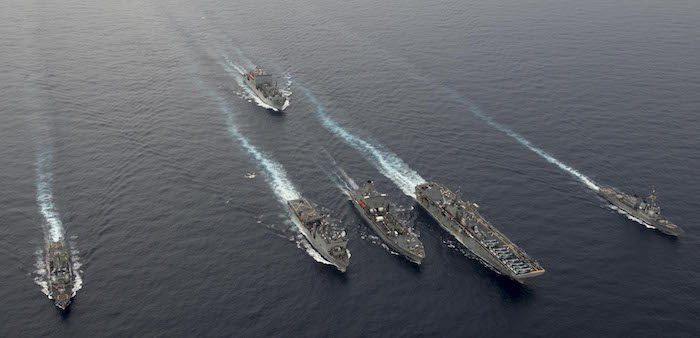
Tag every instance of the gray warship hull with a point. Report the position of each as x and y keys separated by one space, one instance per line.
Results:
x=59 y=275
x=331 y=246
x=633 y=206
x=475 y=233
x=261 y=85
x=390 y=242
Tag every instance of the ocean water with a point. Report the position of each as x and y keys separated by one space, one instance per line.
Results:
x=125 y=132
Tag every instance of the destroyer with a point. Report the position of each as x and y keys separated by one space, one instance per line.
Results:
x=326 y=237
x=59 y=275
x=377 y=212
x=261 y=83
x=462 y=220
x=643 y=209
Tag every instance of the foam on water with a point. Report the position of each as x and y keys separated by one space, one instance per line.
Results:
x=77 y=270
x=388 y=163
x=44 y=196
x=474 y=109
x=276 y=175
x=39 y=274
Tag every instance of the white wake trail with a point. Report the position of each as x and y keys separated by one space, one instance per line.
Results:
x=523 y=141
x=388 y=163
x=276 y=175
x=44 y=196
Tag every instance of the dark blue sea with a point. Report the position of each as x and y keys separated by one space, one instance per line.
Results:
x=125 y=133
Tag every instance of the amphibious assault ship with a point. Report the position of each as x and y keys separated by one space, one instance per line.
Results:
x=463 y=221
x=376 y=210
x=643 y=209
x=261 y=83
x=59 y=274
x=325 y=236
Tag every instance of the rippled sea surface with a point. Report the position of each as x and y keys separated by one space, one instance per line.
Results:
x=124 y=124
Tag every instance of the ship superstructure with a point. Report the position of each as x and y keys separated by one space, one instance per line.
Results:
x=463 y=221
x=265 y=88
x=326 y=236
x=375 y=209
x=643 y=209
x=59 y=274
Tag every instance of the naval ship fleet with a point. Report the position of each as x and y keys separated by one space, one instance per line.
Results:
x=458 y=217
x=59 y=275
x=262 y=85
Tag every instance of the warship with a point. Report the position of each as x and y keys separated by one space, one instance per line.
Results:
x=376 y=210
x=325 y=236
x=59 y=274
x=463 y=221
x=261 y=83
x=643 y=209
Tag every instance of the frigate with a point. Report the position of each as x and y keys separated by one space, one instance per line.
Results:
x=325 y=235
x=59 y=274
x=262 y=85
x=644 y=209
x=375 y=209
x=463 y=221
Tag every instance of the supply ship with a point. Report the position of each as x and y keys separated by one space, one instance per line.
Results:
x=463 y=221
x=325 y=235
x=643 y=209
x=376 y=210
x=262 y=85
x=59 y=274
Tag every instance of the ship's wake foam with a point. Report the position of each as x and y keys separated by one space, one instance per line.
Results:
x=39 y=274
x=527 y=144
x=337 y=175
x=44 y=197
x=388 y=163
x=276 y=176
x=77 y=269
